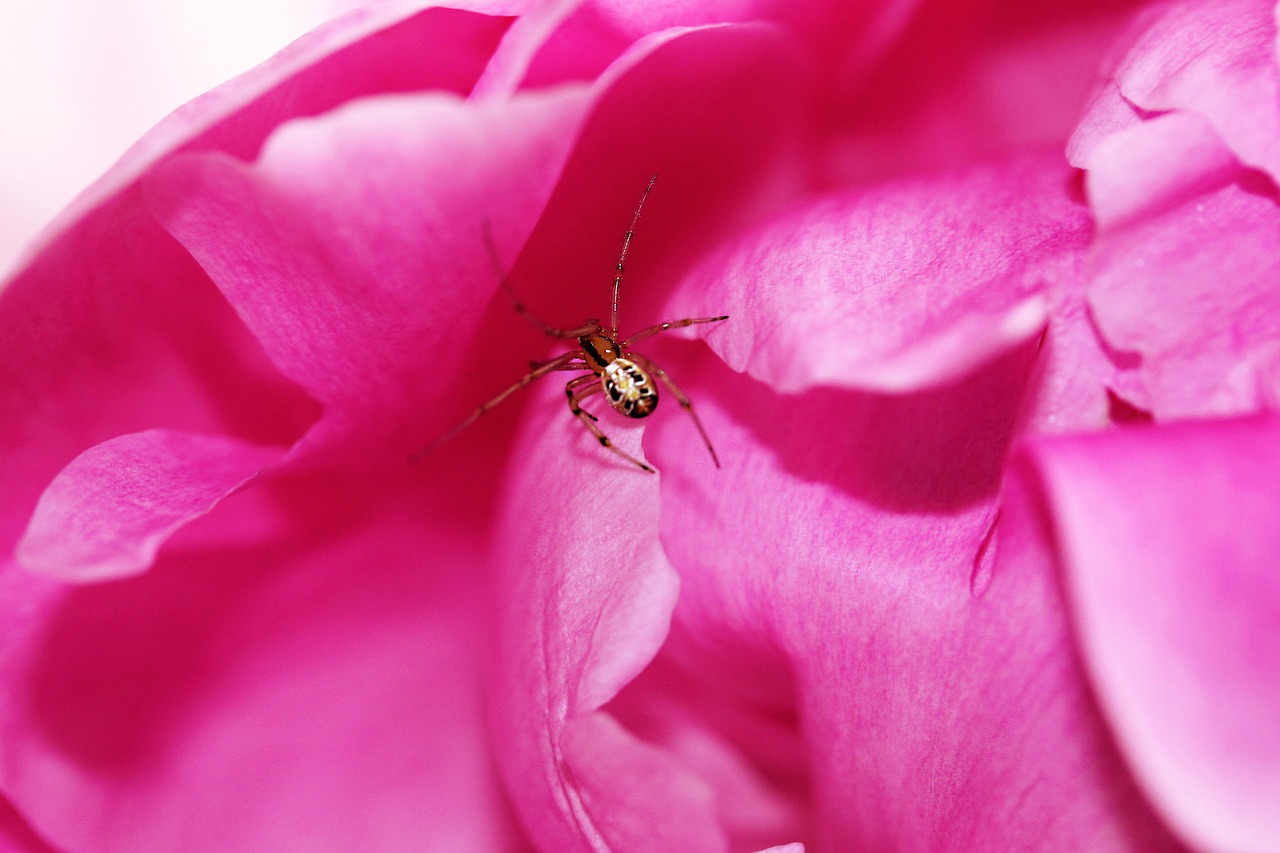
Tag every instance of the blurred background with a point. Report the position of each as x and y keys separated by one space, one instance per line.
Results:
x=83 y=79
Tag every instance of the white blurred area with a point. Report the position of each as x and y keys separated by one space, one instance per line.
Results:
x=80 y=80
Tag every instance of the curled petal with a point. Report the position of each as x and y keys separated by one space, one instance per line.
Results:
x=1193 y=97
x=847 y=536
x=904 y=286
x=1192 y=293
x=636 y=796
x=1153 y=166
x=351 y=296
x=1168 y=538
x=110 y=510
x=1217 y=59
x=585 y=601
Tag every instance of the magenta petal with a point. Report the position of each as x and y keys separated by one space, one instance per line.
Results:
x=1169 y=538
x=847 y=539
x=109 y=511
x=319 y=692
x=898 y=287
x=16 y=835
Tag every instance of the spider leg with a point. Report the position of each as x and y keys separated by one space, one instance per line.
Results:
x=645 y=334
x=622 y=258
x=581 y=364
x=575 y=390
x=571 y=389
x=560 y=362
x=587 y=328
x=685 y=403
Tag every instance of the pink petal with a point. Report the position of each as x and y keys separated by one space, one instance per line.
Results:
x=960 y=83
x=637 y=797
x=370 y=50
x=585 y=600
x=91 y=358
x=842 y=40
x=321 y=690
x=1187 y=104
x=906 y=285
x=1153 y=167
x=110 y=328
x=1168 y=536
x=1216 y=59
x=16 y=836
x=845 y=541
x=110 y=510
x=356 y=287
x=1192 y=292
x=380 y=298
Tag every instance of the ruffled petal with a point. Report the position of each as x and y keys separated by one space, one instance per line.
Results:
x=111 y=509
x=1168 y=538
x=1216 y=59
x=847 y=539
x=357 y=289
x=897 y=287
x=381 y=298
x=1193 y=96
x=1193 y=294
x=110 y=328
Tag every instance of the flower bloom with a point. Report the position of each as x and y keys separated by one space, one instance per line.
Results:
x=988 y=565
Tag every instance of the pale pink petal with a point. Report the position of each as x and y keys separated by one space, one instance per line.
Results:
x=320 y=692
x=895 y=287
x=1195 y=94
x=1217 y=59
x=1192 y=293
x=847 y=539
x=1154 y=166
x=1168 y=537
x=111 y=509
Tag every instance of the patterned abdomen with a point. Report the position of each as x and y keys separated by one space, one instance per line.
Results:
x=630 y=390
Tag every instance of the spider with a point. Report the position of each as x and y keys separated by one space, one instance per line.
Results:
x=624 y=376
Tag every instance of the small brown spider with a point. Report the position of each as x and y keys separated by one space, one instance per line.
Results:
x=623 y=375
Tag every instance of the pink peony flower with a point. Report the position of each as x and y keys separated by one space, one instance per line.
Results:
x=989 y=562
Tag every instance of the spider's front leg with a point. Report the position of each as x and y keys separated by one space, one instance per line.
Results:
x=645 y=334
x=585 y=386
x=564 y=361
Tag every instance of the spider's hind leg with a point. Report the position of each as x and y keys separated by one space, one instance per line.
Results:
x=585 y=386
x=685 y=402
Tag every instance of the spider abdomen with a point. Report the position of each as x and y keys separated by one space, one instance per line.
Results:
x=629 y=388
